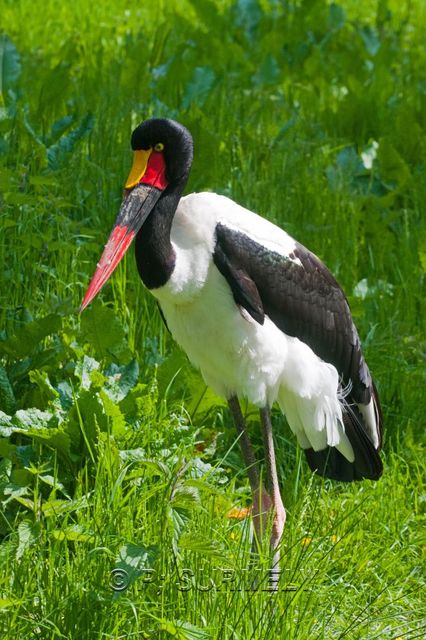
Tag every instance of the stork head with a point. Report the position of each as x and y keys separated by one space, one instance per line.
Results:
x=162 y=158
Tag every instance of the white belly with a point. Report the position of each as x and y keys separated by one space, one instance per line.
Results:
x=235 y=354
x=238 y=356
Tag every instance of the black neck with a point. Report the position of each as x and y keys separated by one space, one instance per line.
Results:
x=155 y=257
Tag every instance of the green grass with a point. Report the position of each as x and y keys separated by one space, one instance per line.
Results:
x=138 y=472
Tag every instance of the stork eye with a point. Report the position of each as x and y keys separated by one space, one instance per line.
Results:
x=159 y=146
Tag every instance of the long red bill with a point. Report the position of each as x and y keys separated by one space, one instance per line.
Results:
x=135 y=209
x=117 y=245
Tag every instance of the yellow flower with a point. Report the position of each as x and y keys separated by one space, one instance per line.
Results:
x=306 y=541
x=333 y=538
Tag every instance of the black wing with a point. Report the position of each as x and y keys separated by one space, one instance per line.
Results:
x=304 y=300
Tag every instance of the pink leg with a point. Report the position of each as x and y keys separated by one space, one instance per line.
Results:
x=263 y=502
x=272 y=479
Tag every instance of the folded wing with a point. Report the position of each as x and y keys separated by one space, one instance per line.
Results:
x=300 y=295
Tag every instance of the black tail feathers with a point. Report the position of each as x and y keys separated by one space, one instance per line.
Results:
x=367 y=464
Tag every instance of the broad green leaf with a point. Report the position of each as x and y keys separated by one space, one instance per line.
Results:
x=74 y=533
x=56 y=506
x=90 y=410
x=7 y=224
x=113 y=413
x=27 y=535
x=101 y=328
x=56 y=85
x=394 y=172
x=28 y=337
x=178 y=517
x=97 y=381
x=156 y=467
x=21 y=477
x=121 y=379
x=60 y=126
x=370 y=39
x=15 y=198
x=84 y=369
x=140 y=403
x=40 y=425
x=26 y=502
x=15 y=492
x=181 y=506
x=247 y=14
x=349 y=162
x=7 y=450
x=49 y=480
x=185 y=495
x=32 y=419
x=7 y=397
x=10 y=65
x=268 y=72
x=39 y=359
x=65 y=394
x=199 y=87
x=57 y=153
x=336 y=16
x=57 y=439
x=41 y=379
x=25 y=454
x=5 y=469
x=131 y=563
x=133 y=455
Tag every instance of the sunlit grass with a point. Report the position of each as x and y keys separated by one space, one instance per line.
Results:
x=286 y=98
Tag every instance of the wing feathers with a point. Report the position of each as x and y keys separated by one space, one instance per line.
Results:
x=243 y=288
x=303 y=299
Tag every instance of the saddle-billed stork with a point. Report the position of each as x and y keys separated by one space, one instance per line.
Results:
x=258 y=313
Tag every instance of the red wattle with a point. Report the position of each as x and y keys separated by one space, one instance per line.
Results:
x=155 y=173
